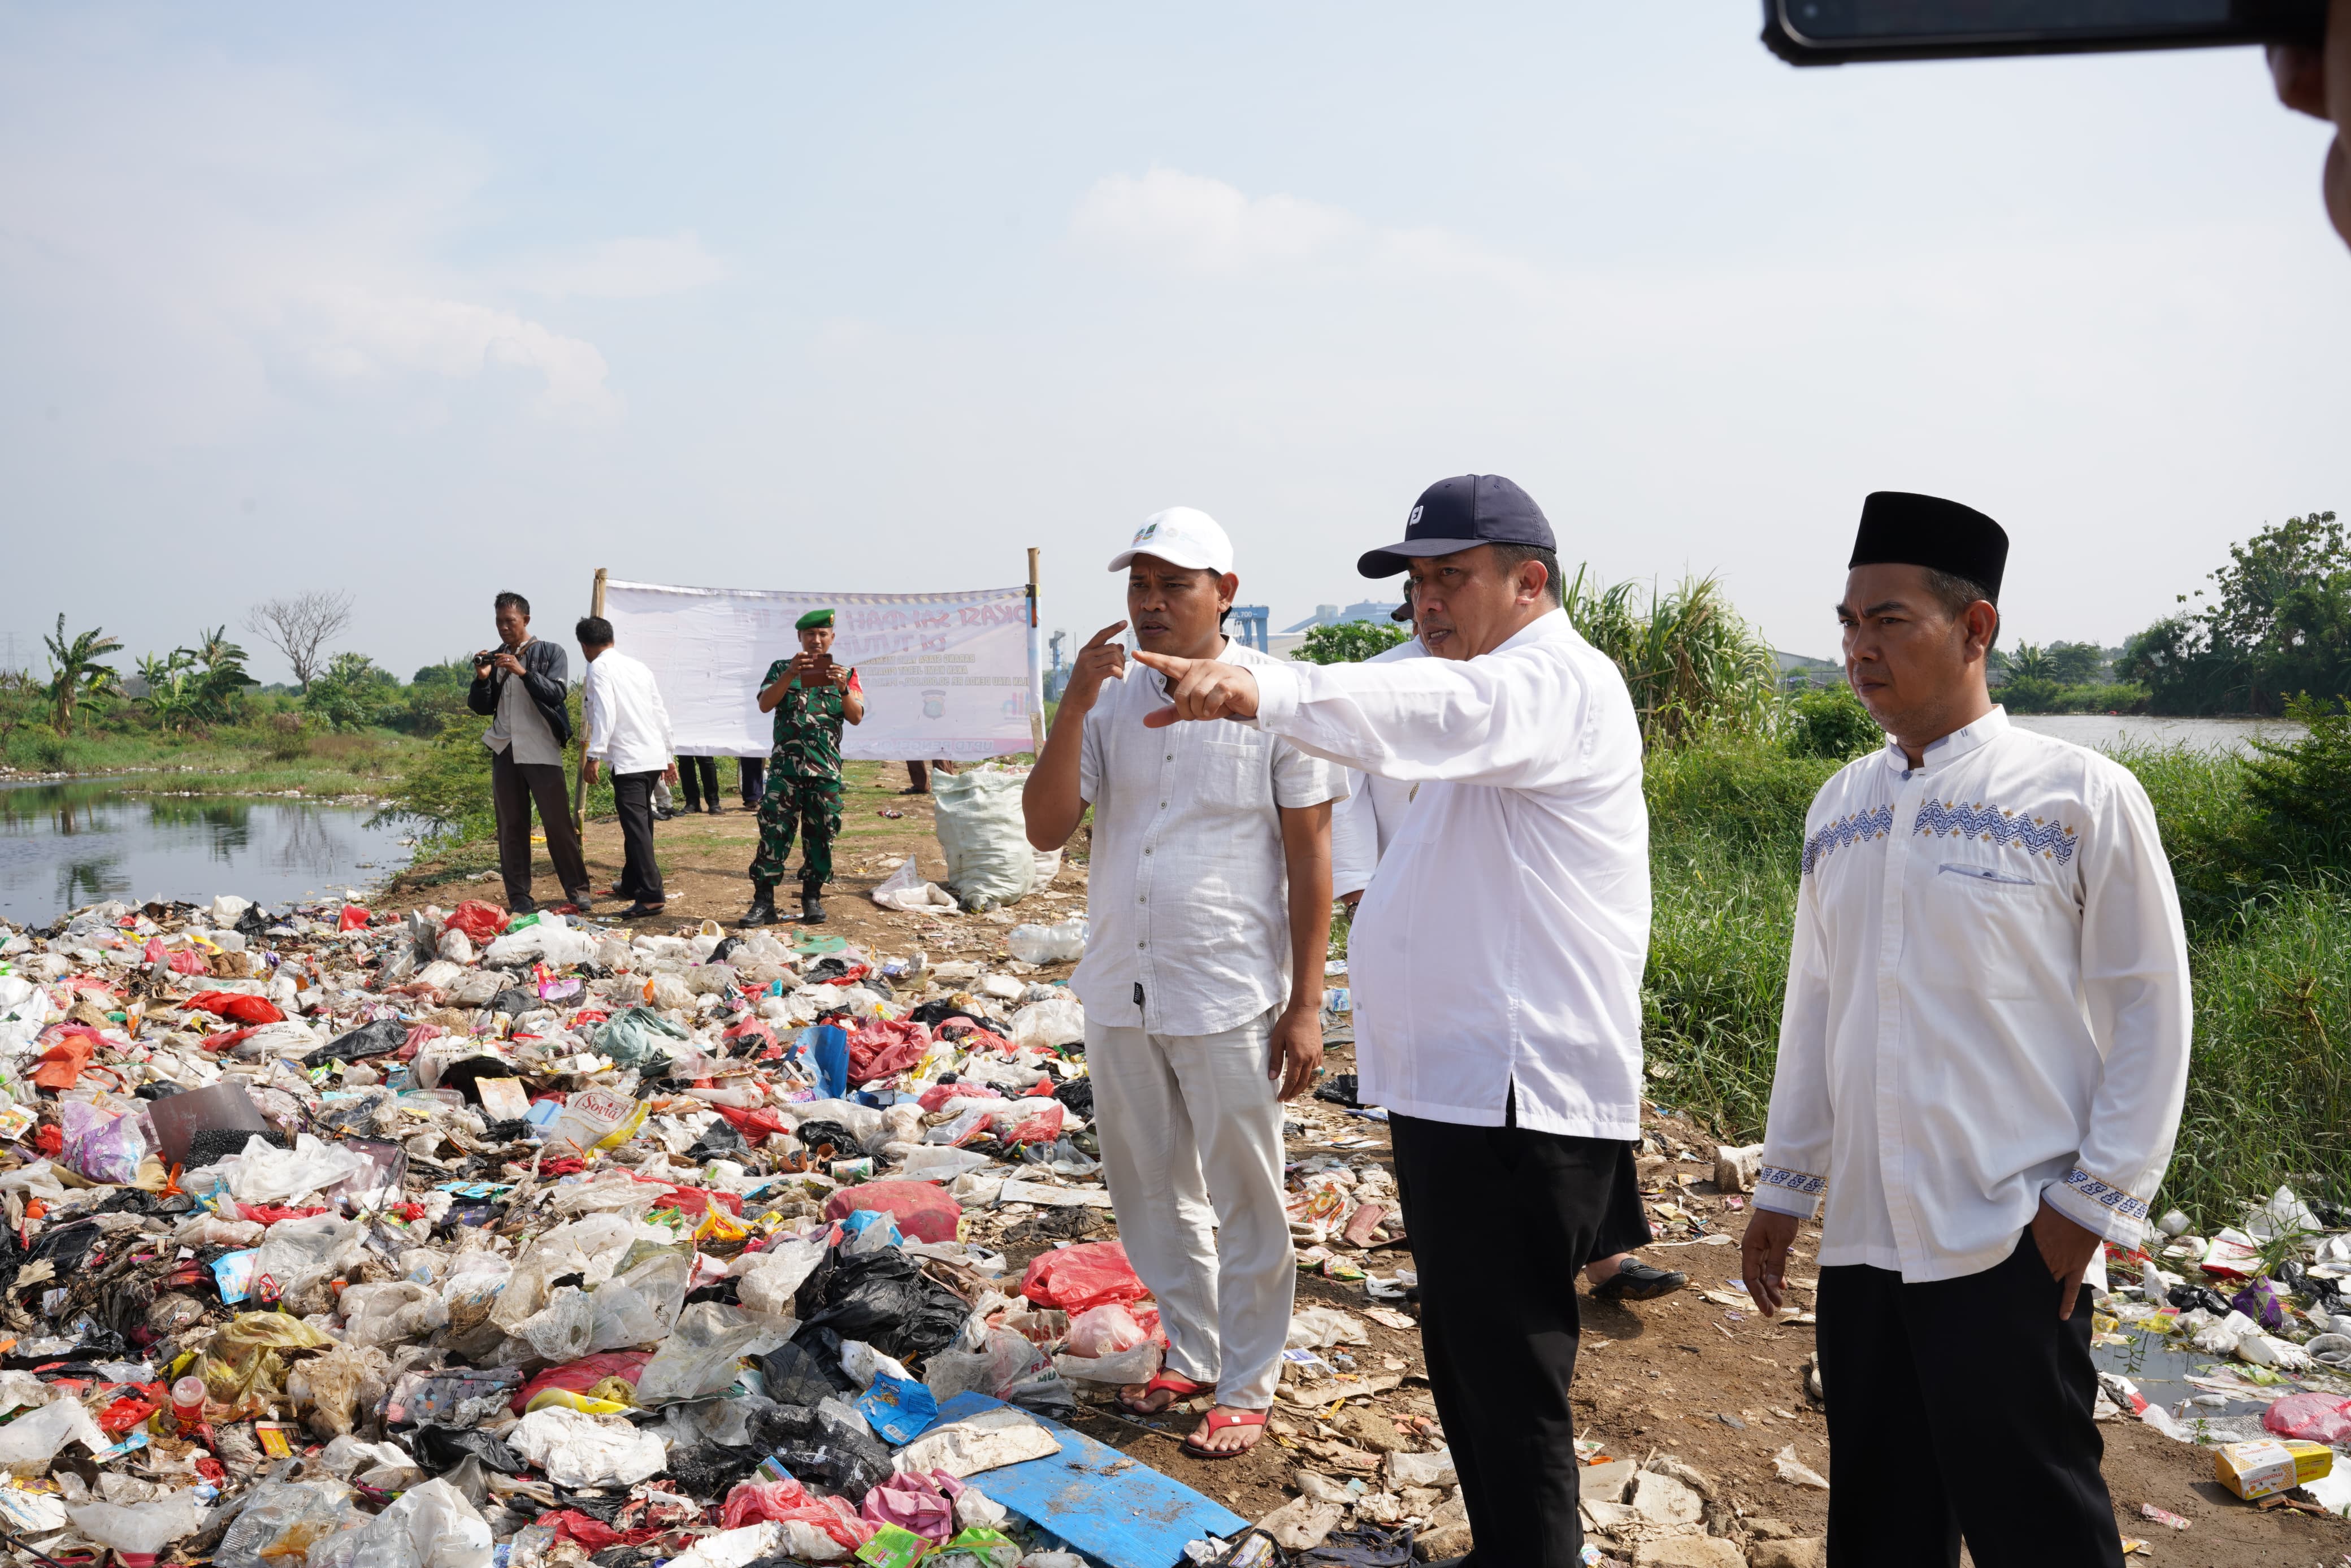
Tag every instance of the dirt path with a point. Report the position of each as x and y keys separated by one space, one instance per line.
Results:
x=1696 y=1375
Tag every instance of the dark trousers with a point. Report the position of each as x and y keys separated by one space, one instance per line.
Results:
x=1962 y=1407
x=919 y=773
x=750 y=772
x=633 y=798
x=513 y=788
x=1501 y=1219
x=699 y=775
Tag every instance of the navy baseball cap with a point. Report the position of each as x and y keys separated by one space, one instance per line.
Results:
x=1459 y=513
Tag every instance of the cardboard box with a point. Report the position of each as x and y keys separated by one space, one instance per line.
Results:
x=2258 y=1469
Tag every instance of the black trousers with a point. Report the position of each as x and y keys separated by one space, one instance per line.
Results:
x=1962 y=1407
x=1501 y=1220
x=699 y=775
x=633 y=798
x=919 y=773
x=513 y=788
x=751 y=773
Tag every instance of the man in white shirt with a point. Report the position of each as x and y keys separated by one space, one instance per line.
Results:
x=1496 y=961
x=627 y=732
x=1208 y=907
x=1982 y=1058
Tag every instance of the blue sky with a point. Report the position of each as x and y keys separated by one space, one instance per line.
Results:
x=430 y=302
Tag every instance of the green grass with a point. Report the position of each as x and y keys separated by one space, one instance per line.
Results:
x=2270 y=951
x=244 y=761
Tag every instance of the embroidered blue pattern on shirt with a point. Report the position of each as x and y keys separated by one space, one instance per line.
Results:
x=2037 y=835
x=2105 y=1193
x=1800 y=1182
x=1846 y=832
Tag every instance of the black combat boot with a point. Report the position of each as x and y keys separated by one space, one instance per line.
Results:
x=763 y=906
x=811 y=901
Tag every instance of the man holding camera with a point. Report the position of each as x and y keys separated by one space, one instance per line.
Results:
x=522 y=686
x=811 y=698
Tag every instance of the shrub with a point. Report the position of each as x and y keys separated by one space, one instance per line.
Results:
x=1829 y=721
x=1351 y=641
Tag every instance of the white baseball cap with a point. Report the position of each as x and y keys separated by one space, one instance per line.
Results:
x=1180 y=536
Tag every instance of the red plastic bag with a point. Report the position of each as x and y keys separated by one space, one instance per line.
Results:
x=1104 y=1331
x=2312 y=1417
x=236 y=1008
x=938 y=1094
x=884 y=1046
x=72 y=1045
x=354 y=918
x=482 y=923
x=757 y=1126
x=1042 y=1128
x=920 y=1209
x=757 y=1503
x=585 y=1374
x=1090 y=1274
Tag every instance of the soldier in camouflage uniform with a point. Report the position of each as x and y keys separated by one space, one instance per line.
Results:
x=811 y=697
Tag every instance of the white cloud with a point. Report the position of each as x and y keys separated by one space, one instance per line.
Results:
x=352 y=333
x=1188 y=222
x=638 y=268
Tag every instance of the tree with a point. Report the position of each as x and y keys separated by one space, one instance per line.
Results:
x=2076 y=663
x=223 y=680
x=75 y=676
x=2279 y=624
x=2027 y=662
x=351 y=693
x=300 y=627
x=1351 y=641
x=174 y=698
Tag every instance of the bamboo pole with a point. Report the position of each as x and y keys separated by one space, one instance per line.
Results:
x=1037 y=714
x=580 y=778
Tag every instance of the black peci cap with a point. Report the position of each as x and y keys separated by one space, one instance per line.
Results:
x=1898 y=528
x=1458 y=514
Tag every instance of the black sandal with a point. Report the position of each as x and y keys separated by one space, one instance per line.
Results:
x=1634 y=1281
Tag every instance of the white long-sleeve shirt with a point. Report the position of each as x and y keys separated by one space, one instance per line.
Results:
x=1502 y=942
x=1987 y=1005
x=628 y=724
x=1362 y=825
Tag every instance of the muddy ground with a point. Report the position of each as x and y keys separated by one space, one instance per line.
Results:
x=1700 y=1378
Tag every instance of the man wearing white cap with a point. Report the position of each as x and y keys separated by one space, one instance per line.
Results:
x=1209 y=904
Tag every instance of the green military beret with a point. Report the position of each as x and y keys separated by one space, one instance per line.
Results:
x=812 y=620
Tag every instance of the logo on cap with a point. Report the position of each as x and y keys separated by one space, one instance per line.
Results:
x=1415 y=518
x=1148 y=530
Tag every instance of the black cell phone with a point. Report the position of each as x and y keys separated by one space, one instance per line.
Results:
x=1834 y=32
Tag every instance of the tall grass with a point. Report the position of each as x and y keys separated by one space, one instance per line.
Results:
x=1695 y=670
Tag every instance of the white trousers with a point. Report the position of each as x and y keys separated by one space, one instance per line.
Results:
x=1191 y=1146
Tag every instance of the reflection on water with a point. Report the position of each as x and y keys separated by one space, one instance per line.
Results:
x=2107 y=730
x=63 y=845
x=2160 y=1365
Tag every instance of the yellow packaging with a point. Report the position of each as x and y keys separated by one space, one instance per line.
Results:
x=2258 y=1469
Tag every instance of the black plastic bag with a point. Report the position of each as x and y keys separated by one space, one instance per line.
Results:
x=1077 y=1094
x=442 y=1448
x=254 y=923
x=815 y=1132
x=884 y=1299
x=515 y=1001
x=936 y=1011
x=720 y=1140
x=725 y=951
x=379 y=1038
x=711 y=1470
x=794 y=1374
x=1369 y=1547
x=1341 y=1090
x=818 y=1448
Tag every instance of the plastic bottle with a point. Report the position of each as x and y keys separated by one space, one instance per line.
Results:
x=1062 y=943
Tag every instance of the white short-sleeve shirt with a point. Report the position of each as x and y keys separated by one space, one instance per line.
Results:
x=1187 y=891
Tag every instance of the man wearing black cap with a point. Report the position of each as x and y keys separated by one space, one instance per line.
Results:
x=1496 y=965
x=1981 y=1064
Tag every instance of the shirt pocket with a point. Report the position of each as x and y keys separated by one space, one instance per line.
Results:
x=1993 y=922
x=1238 y=774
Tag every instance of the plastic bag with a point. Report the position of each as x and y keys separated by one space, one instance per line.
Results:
x=1064 y=942
x=703 y=1355
x=427 y=1526
x=263 y=1174
x=140 y=1529
x=28 y=1443
x=1090 y=1274
x=639 y=1304
x=1138 y=1363
x=445 y=1447
x=560 y=1329
x=918 y=1209
x=300 y=1255
x=772 y=1278
x=899 y=1409
x=338 y=1385
x=882 y=1299
x=281 y=1520
x=102 y=1147
x=634 y=1037
x=1104 y=1331
x=905 y=889
x=592 y=1121
x=1050 y=1025
x=985 y=836
x=2315 y=1418
x=580 y=1451
x=545 y=942
x=482 y=923
x=592 y=1372
x=793 y=1376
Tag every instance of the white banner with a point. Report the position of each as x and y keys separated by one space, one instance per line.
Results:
x=945 y=675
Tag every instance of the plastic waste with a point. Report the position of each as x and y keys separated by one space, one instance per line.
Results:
x=905 y=889
x=224 y=1107
x=985 y=837
x=28 y=1443
x=427 y=1526
x=1090 y=1274
x=1064 y=942
x=281 y=1520
x=140 y=1529
x=1050 y=1025
x=577 y=1449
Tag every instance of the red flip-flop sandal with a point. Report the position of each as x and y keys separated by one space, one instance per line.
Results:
x=1215 y=1422
x=1183 y=1388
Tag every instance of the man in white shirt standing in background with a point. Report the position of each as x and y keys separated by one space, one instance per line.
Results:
x=1208 y=905
x=1982 y=1060
x=627 y=732
x=1496 y=961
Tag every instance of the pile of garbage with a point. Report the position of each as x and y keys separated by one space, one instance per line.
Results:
x=2265 y=1300
x=338 y=1239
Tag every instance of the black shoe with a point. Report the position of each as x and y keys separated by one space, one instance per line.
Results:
x=642 y=910
x=811 y=903
x=763 y=908
x=714 y=807
x=1634 y=1281
x=661 y=816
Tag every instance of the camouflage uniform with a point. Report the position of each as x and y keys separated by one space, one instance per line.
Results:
x=803 y=791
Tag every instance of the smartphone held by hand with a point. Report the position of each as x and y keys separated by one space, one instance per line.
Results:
x=1838 y=32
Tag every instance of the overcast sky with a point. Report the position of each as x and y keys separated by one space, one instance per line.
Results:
x=428 y=301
